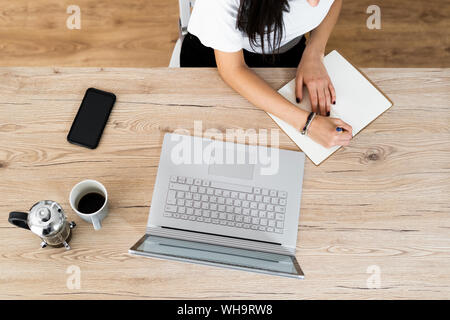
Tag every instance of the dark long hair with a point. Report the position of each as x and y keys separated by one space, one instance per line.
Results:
x=259 y=18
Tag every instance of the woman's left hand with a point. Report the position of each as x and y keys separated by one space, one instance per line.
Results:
x=311 y=72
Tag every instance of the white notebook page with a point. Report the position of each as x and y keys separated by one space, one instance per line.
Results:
x=358 y=103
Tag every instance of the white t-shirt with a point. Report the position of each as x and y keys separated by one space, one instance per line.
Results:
x=214 y=23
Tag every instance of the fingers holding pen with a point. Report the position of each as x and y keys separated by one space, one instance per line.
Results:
x=343 y=125
x=330 y=132
x=344 y=133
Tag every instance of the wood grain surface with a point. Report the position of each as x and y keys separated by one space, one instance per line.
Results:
x=142 y=33
x=383 y=201
x=412 y=34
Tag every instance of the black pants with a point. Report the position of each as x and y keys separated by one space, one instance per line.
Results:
x=195 y=54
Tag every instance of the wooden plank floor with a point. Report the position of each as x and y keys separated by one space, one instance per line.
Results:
x=142 y=33
x=382 y=201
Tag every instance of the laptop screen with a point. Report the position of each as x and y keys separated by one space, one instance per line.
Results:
x=197 y=252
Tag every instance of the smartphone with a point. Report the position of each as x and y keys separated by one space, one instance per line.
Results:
x=91 y=118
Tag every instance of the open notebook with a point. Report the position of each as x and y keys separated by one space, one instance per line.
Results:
x=358 y=103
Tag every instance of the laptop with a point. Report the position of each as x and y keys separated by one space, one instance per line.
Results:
x=225 y=204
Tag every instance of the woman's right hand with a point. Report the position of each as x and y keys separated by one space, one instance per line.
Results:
x=323 y=130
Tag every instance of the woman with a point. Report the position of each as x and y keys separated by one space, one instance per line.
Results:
x=237 y=34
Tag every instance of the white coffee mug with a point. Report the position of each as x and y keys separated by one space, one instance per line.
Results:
x=79 y=191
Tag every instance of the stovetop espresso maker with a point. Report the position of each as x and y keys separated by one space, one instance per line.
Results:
x=48 y=221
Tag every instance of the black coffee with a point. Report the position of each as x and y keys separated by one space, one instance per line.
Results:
x=91 y=202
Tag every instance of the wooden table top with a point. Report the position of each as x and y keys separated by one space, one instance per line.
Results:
x=381 y=204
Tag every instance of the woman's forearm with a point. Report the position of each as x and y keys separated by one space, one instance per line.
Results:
x=258 y=92
x=319 y=36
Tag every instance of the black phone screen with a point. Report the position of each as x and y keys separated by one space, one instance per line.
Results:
x=91 y=118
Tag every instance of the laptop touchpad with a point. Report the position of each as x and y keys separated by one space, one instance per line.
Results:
x=240 y=171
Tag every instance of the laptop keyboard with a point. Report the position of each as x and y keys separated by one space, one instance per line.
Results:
x=232 y=205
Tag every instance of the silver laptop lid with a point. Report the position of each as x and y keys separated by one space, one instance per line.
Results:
x=218 y=255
